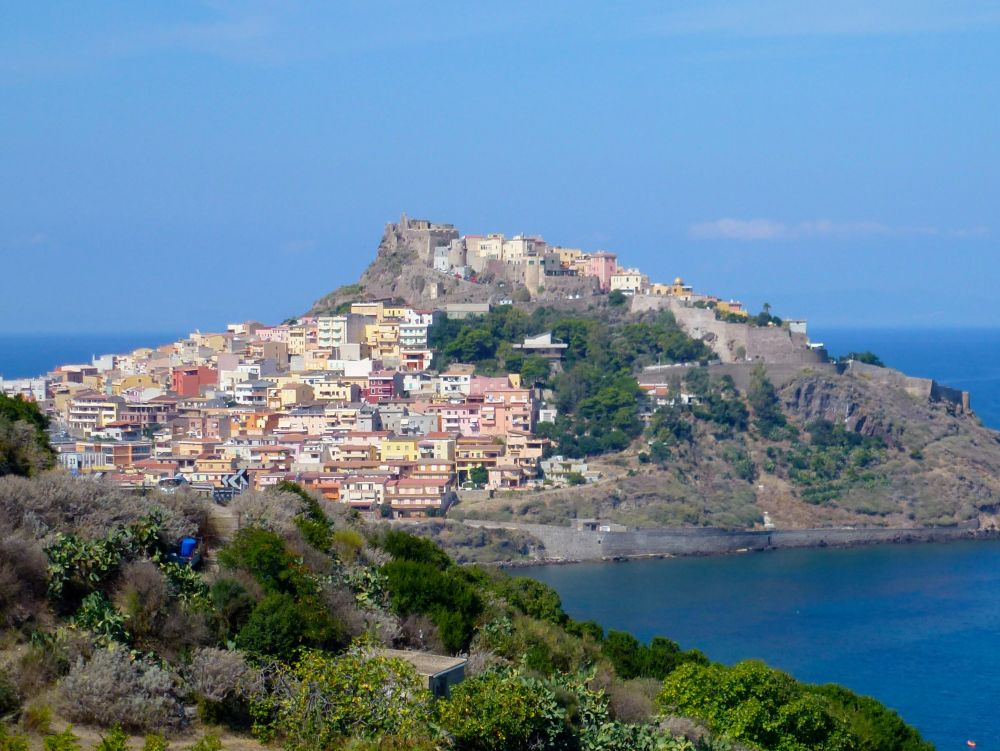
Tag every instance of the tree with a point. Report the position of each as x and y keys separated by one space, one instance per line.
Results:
x=534 y=369
x=764 y=399
x=617 y=298
x=867 y=357
x=479 y=475
x=24 y=444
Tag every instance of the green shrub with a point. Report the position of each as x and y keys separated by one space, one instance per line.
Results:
x=208 y=742
x=155 y=742
x=347 y=544
x=502 y=710
x=37 y=718
x=443 y=595
x=754 y=704
x=231 y=605
x=67 y=740
x=115 y=740
x=324 y=699
x=8 y=742
x=404 y=546
x=263 y=554
x=279 y=625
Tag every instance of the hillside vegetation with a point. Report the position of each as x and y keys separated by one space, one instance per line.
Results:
x=24 y=445
x=278 y=638
x=718 y=455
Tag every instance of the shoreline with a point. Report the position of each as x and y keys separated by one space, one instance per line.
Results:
x=566 y=545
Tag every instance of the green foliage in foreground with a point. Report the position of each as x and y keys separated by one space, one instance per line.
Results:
x=24 y=444
x=752 y=703
x=286 y=634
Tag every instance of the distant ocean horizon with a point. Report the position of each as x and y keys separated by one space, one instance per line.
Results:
x=30 y=355
x=963 y=358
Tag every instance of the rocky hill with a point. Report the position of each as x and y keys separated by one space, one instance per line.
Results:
x=848 y=444
x=402 y=270
x=918 y=461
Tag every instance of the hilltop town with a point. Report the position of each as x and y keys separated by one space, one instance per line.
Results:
x=456 y=372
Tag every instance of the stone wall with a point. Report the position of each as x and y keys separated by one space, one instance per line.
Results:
x=924 y=389
x=735 y=342
x=566 y=544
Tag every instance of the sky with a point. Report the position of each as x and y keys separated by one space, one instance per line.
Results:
x=171 y=166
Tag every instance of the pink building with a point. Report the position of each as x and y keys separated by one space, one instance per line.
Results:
x=602 y=265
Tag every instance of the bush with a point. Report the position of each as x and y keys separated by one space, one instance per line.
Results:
x=23 y=580
x=222 y=682
x=279 y=625
x=67 y=740
x=322 y=699
x=9 y=742
x=502 y=710
x=38 y=718
x=111 y=689
x=208 y=742
x=754 y=704
x=142 y=595
x=116 y=740
x=262 y=553
x=347 y=545
x=445 y=596
x=231 y=605
x=154 y=742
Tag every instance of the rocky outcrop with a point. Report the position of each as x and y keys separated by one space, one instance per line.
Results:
x=403 y=270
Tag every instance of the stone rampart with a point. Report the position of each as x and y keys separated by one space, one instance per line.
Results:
x=924 y=389
x=566 y=544
x=735 y=342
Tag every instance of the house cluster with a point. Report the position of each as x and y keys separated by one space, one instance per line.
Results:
x=530 y=260
x=347 y=404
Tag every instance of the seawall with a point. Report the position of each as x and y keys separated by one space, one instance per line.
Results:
x=569 y=544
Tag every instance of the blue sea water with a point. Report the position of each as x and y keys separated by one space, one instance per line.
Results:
x=27 y=355
x=916 y=626
x=967 y=359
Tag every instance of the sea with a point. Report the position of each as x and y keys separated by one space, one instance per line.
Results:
x=29 y=355
x=916 y=626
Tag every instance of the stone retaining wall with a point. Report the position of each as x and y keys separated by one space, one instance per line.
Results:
x=566 y=544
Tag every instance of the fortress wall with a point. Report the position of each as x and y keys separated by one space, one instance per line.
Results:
x=567 y=544
x=734 y=342
x=924 y=389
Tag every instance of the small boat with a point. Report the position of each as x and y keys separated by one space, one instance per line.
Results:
x=970 y=744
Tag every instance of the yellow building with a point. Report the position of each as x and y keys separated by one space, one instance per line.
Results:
x=680 y=289
x=140 y=381
x=394 y=312
x=336 y=391
x=438 y=446
x=373 y=309
x=279 y=397
x=399 y=449
x=733 y=307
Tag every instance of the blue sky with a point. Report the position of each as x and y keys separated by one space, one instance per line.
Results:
x=179 y=165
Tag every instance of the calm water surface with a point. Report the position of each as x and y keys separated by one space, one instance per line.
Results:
x=917 y=626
